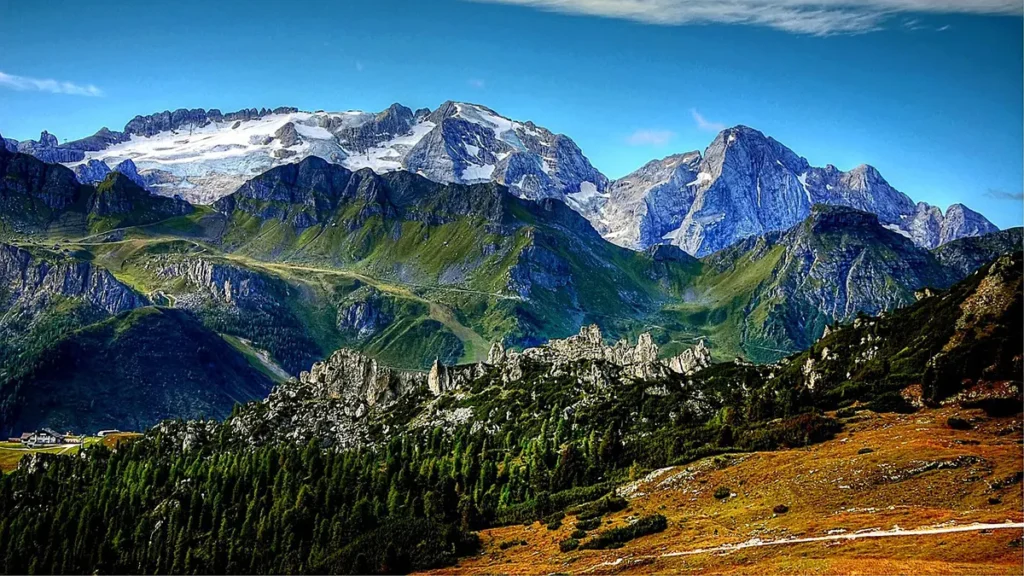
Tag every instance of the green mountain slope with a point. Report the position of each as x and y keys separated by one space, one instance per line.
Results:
x=766 y=297
x=392 y=476
x=39 y=198
x=129 y=372
x=516 y=269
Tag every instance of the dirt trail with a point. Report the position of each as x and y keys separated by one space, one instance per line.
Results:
x=756 y=543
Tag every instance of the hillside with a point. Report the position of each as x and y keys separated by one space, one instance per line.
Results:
x=893 y=494
x=37 y=198
x=130 y=372
x=360 y=467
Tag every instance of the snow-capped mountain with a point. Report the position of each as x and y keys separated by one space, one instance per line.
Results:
x=204 y=155
x=744 y=184
x=747 y=184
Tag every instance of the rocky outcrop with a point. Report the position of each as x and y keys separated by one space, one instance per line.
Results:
x=220 y=282
x=92 y=171
x=336 y=398
x=48 y=149
x=442 y=379
x=119 y=196
x=587 y=357
x=29 y=282
x=364 y=315
x=128 y=168
x=287 y=135
x=396 y=120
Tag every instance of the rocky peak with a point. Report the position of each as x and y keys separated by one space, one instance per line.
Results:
x=48 y=140
x=92 y=171
x=960 y=221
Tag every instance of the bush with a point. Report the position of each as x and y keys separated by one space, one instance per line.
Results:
x=590 y=524
x=892 y=402
x=865 y=451
x=511 y=543
x=781 y=509
x=845 y=412
x=958 y=423
x=722 y=492
x=577 y=533
x=568 y=545
x=598 y=508
x=616 y=537
x=554 y=525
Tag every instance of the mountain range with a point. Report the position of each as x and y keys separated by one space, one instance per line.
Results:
x=311 y=256
x=744 y=184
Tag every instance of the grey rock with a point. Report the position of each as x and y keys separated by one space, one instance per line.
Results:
x=92 y=171
x=28 y=282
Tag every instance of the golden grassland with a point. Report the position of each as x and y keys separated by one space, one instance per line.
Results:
x=919 y=474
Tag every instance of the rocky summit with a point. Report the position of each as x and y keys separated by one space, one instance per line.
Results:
x=746 y=184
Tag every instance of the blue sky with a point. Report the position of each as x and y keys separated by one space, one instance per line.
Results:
x=928 y=91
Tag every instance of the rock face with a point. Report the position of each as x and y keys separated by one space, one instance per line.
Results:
x=29 y=282
x=586 y=356
x=747 y=184
x=128 y=168
x=221 y=282
x=92 y=171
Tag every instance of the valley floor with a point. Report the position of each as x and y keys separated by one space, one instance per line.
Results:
x=926 y=499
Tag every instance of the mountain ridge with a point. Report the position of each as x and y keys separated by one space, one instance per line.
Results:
x=765 y=187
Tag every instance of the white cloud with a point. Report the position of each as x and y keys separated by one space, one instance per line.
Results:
x=817 y=17
x=705 y=124
x=46 y=85
x=359 y=66
x=477 y=83
x=650 y=137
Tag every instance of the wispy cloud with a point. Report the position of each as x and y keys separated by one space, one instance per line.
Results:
x=477 y=83
x=359 y=66
x=1004 y=195
x=705 y=124
x=816 y=17
x=650 y=137
x=25 y=83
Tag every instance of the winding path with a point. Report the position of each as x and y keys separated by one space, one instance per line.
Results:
x=756 y=543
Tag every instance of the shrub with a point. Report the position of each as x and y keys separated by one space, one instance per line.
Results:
x=865 y=451
x=616 y=537
x=845 y=412
x=511 y=543
x=568 y=545
x=554 y=525
x=577 y=533
x=722 y=492
x=590 y=524
x=598 y=508
x=892 y=402
x=781 y=509
x=958 y=423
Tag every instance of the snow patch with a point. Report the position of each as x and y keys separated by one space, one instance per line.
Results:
x=476 y=173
